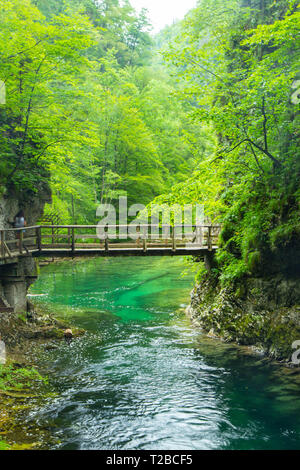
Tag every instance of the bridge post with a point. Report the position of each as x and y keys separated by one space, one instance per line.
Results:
x=72 y=240
x=173 y=239
x=209 y=239
x=2 y=244
x=145 y=233
x=21 y=242
x=138 y=230
x=166 y=235
x=39 y=238
x=199 y=236
x=106 y=242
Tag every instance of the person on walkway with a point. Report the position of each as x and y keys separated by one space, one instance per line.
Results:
x=19 y=222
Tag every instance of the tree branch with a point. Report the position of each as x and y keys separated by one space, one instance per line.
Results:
x=49 y=145
x=29 y=108
x=25 y=50
x=266 y=152
x=265 y=123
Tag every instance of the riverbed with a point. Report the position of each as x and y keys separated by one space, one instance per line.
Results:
x=143 y=377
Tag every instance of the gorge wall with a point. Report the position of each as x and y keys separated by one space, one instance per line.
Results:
x=17 y=276
x=262 y=312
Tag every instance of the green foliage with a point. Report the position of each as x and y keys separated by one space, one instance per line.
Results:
x=88 y=106
x=18 y=379
x=92 y=106
x=22 y=317
x=42 y=65
x=236 y=65
x=4 y=445
x=201 y=273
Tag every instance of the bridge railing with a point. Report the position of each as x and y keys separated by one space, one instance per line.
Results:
x=15 y=242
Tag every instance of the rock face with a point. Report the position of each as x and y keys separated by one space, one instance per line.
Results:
x=31 y=202
x=259 y=312
x=15 y=278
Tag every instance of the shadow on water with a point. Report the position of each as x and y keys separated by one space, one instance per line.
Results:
x=144 y=378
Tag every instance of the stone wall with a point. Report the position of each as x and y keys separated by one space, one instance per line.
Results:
x=17 y=276
x=31 y=202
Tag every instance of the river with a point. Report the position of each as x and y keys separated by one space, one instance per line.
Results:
x=143 y=377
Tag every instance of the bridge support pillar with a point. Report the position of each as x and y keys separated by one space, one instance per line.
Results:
x=15 y=279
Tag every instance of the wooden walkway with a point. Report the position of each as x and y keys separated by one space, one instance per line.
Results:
x=54 y=241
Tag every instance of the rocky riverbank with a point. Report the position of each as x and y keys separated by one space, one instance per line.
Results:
x=259 y=312
x=21 y=385
x=21 y=331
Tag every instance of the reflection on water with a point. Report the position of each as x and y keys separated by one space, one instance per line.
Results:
x=144 y=378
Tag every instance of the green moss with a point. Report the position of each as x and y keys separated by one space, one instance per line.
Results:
x=280 y=333
x=22 y=317
x=235 y=316
x=227 y=233
x=4 y=445
x=13 y=378
x=201 y=272
x=241 y=291
x=254 y=261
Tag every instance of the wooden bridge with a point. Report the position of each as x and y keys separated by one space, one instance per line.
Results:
x=111 y=240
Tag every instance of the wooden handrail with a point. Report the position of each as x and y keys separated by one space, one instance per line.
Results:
x=161 y=226
x=13 y=229
x=125 y=226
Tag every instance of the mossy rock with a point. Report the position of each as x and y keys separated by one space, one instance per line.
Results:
x=254 y=314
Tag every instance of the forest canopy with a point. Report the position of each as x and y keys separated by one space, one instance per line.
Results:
x=205 y=112
x=238 y=66
x=87 y=106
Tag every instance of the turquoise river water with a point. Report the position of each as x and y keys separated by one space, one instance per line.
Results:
x=143 y=377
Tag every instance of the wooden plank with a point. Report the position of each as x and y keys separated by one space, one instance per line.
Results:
x=47 y=247
x=119 y=246
x=13 y=241
x=58 y=236
x=7 y=250
x=121 y=226
x=86 y=237
x=58 y=253
x=27 y=239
